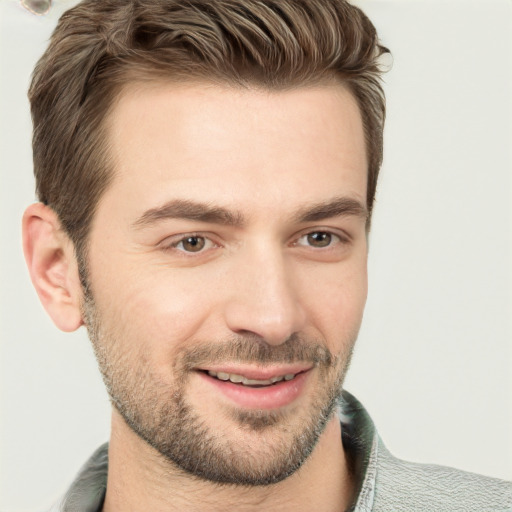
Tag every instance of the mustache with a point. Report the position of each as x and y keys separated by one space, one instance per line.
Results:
x=252 y=349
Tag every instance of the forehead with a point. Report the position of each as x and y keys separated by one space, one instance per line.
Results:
x=225 y=143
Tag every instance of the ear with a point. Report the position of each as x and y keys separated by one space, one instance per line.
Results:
x=52 y=265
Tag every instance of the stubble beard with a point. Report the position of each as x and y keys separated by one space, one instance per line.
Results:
x=166 y=421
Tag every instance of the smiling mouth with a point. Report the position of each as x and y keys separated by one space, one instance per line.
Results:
x=258 y=388
x=252 y=383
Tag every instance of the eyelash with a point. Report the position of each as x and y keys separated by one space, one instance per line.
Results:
x=334 y=239
x=183 y=238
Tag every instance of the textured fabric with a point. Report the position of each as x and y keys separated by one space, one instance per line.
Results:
x=87 y=492
x=406 y=486
x=383 y=482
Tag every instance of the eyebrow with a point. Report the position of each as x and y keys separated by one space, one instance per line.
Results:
x=337 y=207
x=190 y=210
x=212 y=214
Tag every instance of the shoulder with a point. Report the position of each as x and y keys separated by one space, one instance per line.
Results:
x=87 y=492
x=408 y=486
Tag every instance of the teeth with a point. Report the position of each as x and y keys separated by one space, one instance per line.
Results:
x=253 y=382
x=240 y=379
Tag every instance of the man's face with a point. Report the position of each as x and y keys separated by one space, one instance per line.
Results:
x=227 y=269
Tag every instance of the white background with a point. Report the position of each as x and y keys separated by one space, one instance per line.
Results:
x=434 y=358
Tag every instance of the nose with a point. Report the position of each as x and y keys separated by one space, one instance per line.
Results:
x=263 y=300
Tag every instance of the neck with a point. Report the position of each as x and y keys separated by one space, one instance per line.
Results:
x=139 y=478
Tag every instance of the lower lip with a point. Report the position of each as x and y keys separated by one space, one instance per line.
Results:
x=269 y=397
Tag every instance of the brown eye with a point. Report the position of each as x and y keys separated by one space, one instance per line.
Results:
x=193 y=243
x=319 y=239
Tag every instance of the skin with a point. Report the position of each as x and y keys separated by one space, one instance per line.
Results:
x=264 y=157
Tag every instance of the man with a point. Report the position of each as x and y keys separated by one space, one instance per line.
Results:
x=207 y=174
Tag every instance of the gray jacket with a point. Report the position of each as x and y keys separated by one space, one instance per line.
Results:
x=384 y=483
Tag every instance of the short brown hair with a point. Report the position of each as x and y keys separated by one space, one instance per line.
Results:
x=100 y=45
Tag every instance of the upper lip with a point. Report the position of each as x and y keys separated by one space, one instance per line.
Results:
x=258 y=372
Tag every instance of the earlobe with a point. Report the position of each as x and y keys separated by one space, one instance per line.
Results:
x=52 y=265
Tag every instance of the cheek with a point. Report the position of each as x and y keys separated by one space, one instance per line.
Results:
x=337 y=304
x=157 y=312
